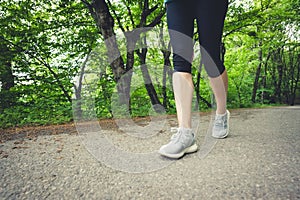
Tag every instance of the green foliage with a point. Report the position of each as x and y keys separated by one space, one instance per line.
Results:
x=103 y=100
x=44 y=42
x=41 y=113
x=44 y=46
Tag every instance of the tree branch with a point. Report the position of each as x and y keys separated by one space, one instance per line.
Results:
x=130 y=13
x=116 y=16
x=93 y=13
x=45 y=64
x=151 y=10
x=157 y=20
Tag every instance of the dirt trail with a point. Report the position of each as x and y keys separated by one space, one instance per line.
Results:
x=259 y=160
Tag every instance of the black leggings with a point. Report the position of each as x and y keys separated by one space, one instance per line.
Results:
x=210 y=15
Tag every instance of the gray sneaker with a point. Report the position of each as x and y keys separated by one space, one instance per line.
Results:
x=221 y=126
x=181 y=142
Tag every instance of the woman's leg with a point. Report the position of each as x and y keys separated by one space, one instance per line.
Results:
x=219 y=86
x=181 y=27
x=183 y=90
x=210 y=19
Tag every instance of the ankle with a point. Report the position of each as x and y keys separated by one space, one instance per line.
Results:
x=221 y=113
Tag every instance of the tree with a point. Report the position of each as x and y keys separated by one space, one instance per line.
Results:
x=101 y=12
x=42 y=49
x=8 y=98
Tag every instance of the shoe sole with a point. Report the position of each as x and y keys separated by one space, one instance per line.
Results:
x=190 y=149
x=224 y=136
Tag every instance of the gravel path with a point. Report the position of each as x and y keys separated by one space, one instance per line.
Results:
x=259 y=160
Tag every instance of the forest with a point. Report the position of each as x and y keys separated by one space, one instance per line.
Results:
x=66 y=59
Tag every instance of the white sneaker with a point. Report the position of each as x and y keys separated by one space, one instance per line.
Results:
x=221 y=126
x=181 y=143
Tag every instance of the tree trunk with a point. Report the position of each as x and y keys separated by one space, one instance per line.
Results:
x=166 y=51
x=166 y=70
x=7 y=97
x=279 y=68
x=257 y=75
x=294 y=75
x=197 y=88
x=264 y=94
x=78 y=88
x=7 y=80
x=297 y=86
x=147 y=79
x=6 y=77
x=105 y=22
x=223 y=51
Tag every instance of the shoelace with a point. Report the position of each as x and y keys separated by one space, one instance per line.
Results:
x=219 y=121
x=179 y=136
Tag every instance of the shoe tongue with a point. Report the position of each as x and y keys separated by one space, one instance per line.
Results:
x=218 y=117
x=219 y=120
x=185 y=130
